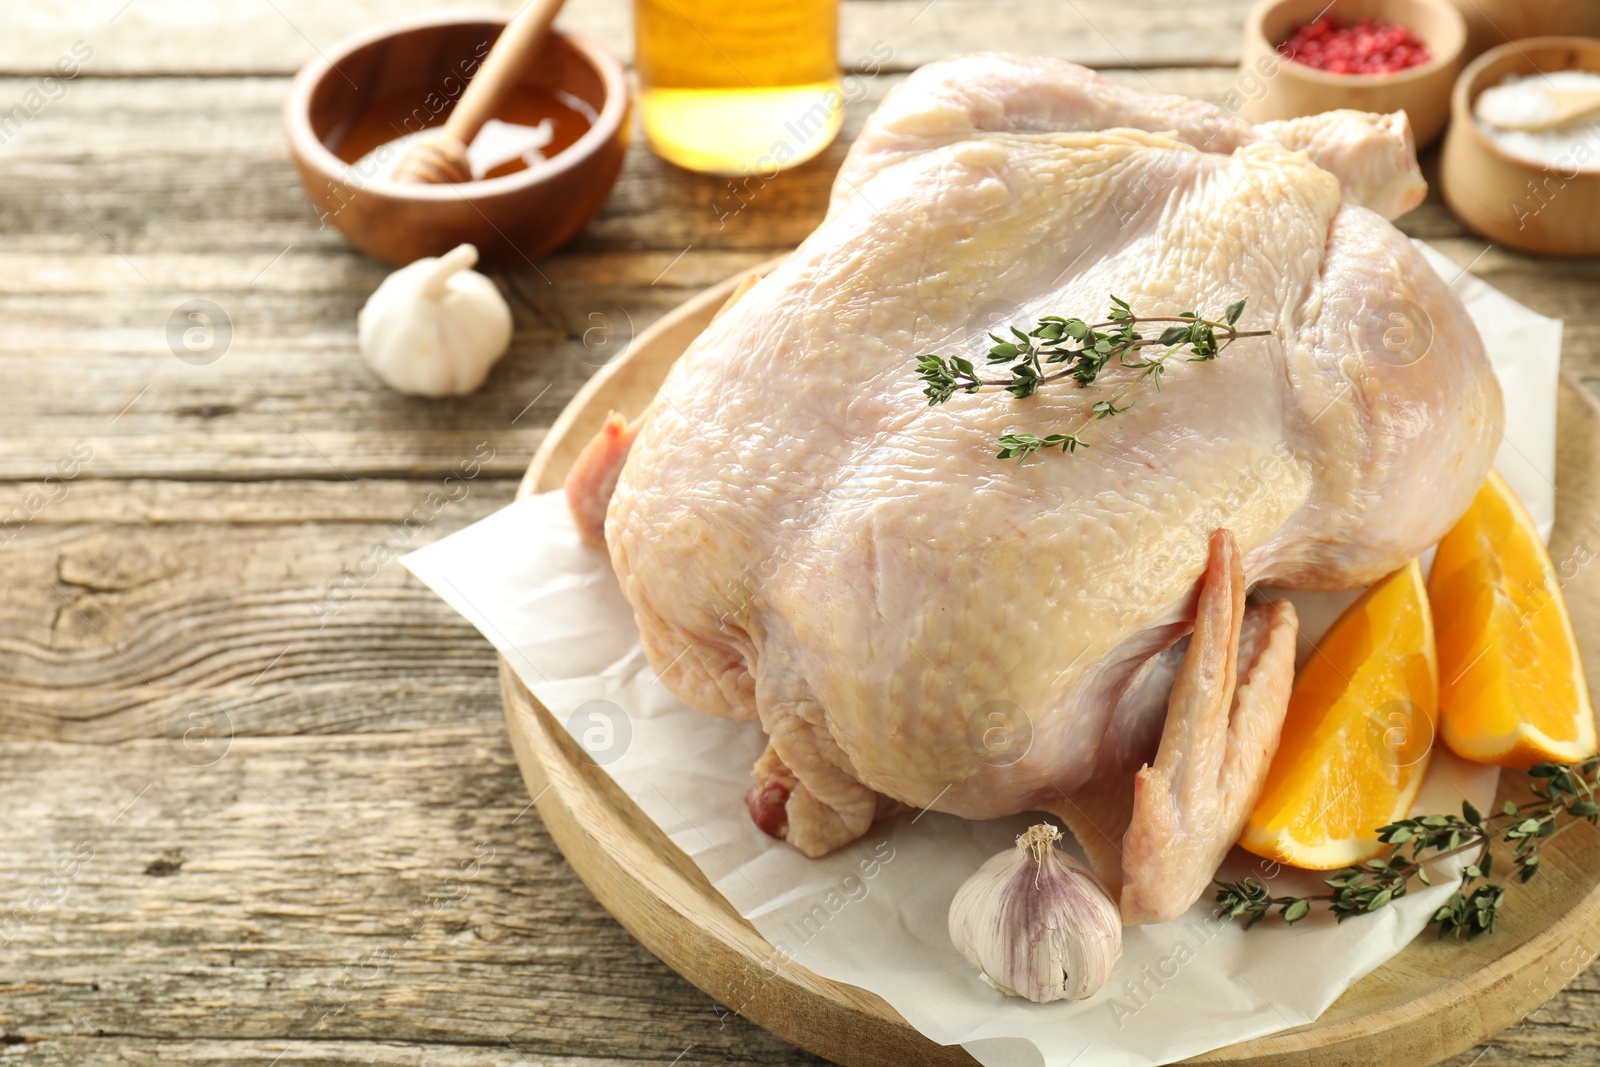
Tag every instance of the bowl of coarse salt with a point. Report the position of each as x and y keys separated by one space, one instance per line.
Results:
x=1521 y=161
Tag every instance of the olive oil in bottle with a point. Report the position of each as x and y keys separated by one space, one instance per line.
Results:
x=738 y=86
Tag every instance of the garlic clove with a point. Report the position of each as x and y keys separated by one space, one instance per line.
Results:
x=1037 y=923
x=435 y=327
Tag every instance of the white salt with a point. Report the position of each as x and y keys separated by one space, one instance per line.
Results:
x=1572 y=146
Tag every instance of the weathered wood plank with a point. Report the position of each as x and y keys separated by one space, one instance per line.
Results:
x=283 y=1052
x=161 y=169
x=288 y=396
x=146 y=37
x=143 y=174
x=340 y=897
x=111 y=631
x=1543 y=1040
x=317 y=898
x=163 y=503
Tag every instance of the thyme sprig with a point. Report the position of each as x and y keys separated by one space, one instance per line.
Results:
x=1565 y=797
x=1082 y=350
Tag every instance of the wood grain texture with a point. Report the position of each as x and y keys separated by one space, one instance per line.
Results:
x=255 y=37
x=391 y=890
x=228 y=914
x=114 y=631
x=123 y=200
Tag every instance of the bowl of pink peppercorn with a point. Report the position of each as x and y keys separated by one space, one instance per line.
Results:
x=1306 y=56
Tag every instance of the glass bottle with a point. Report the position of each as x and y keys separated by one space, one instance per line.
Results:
x=738 y=86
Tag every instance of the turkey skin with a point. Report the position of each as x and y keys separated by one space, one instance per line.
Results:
x=917 y=624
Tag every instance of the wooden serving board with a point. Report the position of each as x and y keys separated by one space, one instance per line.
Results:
x=1432 y=1000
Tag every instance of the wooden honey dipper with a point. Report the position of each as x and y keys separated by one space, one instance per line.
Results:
x=439 y=156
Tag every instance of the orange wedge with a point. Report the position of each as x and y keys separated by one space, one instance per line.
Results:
x=1511 y=690
x=1358 y=734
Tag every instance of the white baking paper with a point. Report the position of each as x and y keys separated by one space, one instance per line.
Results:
x=873 y=914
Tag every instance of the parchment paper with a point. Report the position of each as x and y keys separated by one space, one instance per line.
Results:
x=874 y=913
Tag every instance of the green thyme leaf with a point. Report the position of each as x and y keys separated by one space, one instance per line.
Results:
x=1473 y=909
x=1082 y=351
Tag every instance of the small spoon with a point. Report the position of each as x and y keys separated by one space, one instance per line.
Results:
x=1500 y=109
x=439 y=156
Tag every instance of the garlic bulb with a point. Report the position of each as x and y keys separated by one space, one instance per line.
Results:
x=435 y=328
x=1037 y=923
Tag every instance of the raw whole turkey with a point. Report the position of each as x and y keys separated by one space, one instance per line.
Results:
x=915 y=623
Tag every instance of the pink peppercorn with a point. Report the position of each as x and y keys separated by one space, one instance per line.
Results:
x=1366 y=46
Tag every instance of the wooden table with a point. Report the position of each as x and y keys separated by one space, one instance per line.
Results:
x=257 y=798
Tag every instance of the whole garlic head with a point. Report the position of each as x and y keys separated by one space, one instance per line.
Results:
x=1037 y=923
x=435 y=328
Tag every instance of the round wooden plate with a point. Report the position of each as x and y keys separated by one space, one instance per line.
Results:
x=1429 y=1002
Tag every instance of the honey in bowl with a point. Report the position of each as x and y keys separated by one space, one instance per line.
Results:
x=532 y=126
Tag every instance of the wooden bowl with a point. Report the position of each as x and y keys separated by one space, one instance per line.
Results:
x=407 y=76
x=1493 y=22
x=1284 y=89
x=1535 y=207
